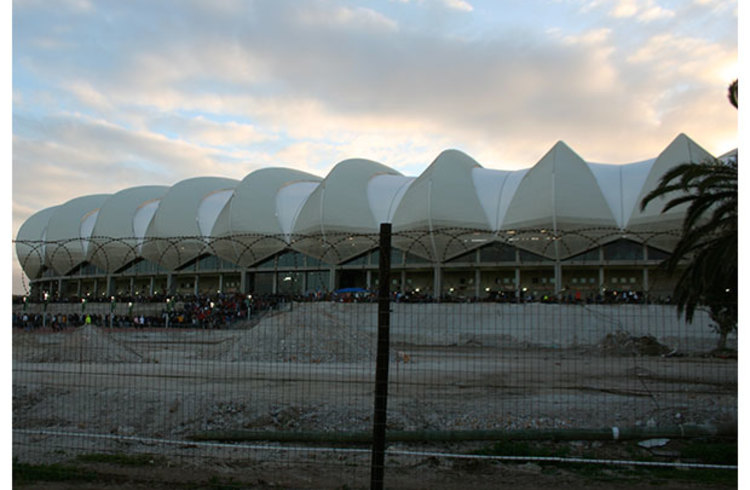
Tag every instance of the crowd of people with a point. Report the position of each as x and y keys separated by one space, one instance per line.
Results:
x=196 y=311
x=224 y=309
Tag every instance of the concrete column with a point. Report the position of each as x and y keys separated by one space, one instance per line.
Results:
x=645 y=273
x=437 y=282
x=558 y=278
x=196 y=281
x=132 y=286
x=402 y=281
x=369 y=279
x=78 y=288
x=170 y=283
x=601 y=278
x=243 y=282
x=275 y=282
x=221 y=282
x=477 y=283
x=518 y=282
x=151 y=286
x=332 y=278
x=59 y=287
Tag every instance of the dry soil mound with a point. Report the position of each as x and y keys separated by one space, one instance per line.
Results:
x=87 y=344
x=623 y=344
x=313 y=334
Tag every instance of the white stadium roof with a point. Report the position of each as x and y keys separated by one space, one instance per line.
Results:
x=335 y=218
x=184 y=218
x=120 y=228
x=260 y=214
x=70 y=226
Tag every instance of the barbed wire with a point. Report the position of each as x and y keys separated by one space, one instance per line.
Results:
x=247 y=250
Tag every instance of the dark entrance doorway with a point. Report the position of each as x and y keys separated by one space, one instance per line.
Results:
x=352 y=279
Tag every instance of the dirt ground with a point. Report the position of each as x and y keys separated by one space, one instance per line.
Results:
x=99 y=391
x=429 y=473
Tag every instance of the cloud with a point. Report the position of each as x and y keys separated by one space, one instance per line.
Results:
x=310 y=70
x=88 y=95
x=204 y=132
x=625 y=8
x=78 y=6
x=458 y=5
x=311 y=73
x=654 y=12
x=350 y=18
x=223 y=88
x=75 y=155
x=674 y=58
x=642 y=10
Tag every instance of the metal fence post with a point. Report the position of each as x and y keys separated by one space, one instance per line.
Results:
x=381 y=363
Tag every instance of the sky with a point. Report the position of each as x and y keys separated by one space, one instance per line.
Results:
x=111 y=94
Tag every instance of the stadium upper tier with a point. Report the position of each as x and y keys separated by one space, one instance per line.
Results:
x=560 y=207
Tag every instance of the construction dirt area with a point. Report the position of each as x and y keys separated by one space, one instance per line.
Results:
x=184 y=397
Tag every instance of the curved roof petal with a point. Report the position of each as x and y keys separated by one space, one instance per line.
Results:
x=69 y=230
x=337 y=210
x=384 y=192
x=559 y=194
x=681 y=150
x=495 y=190
x=174 y=235
x=621 y=185
x=114 y=240
x=255 y=221
x=31 y=242
x=443 y=197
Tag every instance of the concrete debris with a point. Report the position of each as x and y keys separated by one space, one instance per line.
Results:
x=623 y=344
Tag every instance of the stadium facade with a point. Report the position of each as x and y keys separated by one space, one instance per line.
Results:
x=564 y=226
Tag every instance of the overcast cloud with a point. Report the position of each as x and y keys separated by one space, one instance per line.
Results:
x=112 y=94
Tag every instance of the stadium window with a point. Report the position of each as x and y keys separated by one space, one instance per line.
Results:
x=317 y=280
x=656 y=254
x=269 y=263
x=588 y=256
x=497 y=252
x=468 y=257
x=291 y=259
x=623 y=250
x=527 y=256
x=208 y=263
x=414 y=259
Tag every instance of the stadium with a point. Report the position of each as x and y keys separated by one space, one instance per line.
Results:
x=564 y=227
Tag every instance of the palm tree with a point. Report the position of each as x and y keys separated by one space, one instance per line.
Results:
x=733 y=94
x=708 y=245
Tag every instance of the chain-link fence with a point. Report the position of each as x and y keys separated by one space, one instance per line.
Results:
x=486 y=344
x=294 y=381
